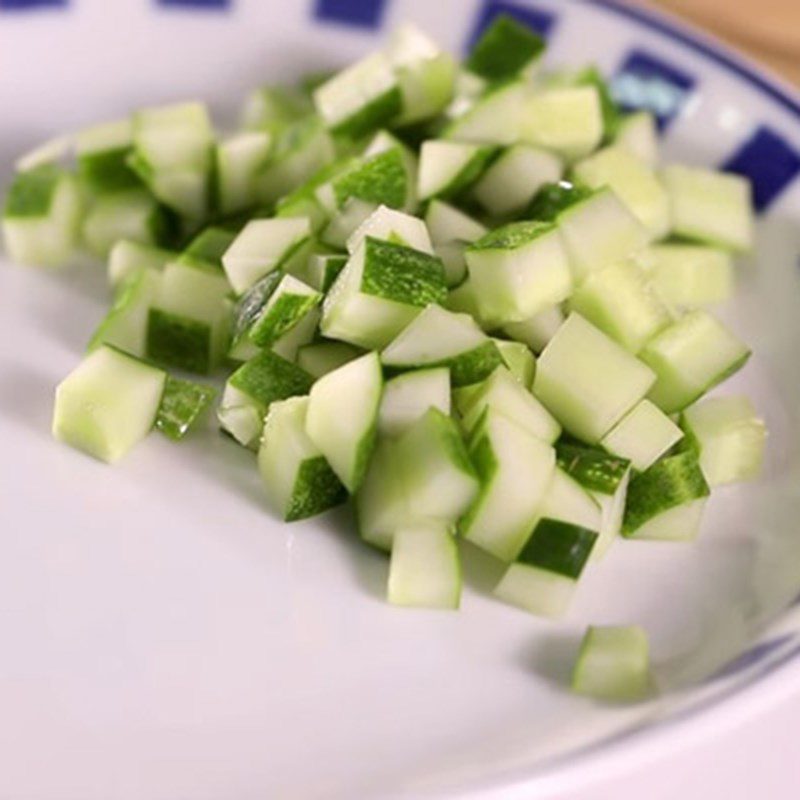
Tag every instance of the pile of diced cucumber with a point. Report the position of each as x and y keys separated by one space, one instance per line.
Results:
x=468 y=298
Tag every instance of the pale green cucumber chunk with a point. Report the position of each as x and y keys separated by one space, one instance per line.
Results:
x=320 y=358
x=273 y=108
x=101 y=153
x=535 y=590
x=345 y=222
x=426 y=88
x=505 y=48
x=447 y=169
x=128 y=257
x=174 y=137
x=446 y=223
x=407 y=397
x=567 y=501
x=182 y=405
x=493 y=118
x=463 y=300
x=239 y=160
x=392 y=226
x=454 y=261
x=690 y=357
x=612 y=509
x=613 y=664
x=554 y=198
x=728 y=436
x=559 y=547
x=208 y=247
x=247 y=310
x=288 y=304
x=343 y=414
x=303 y=333
x=519 y=359
x=538 y=330
x=381 y=178
x=107 y=404
x=587 y=381
x=637 y=134
x=323 y=269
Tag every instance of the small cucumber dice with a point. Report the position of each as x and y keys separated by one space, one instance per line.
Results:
x=408 y=396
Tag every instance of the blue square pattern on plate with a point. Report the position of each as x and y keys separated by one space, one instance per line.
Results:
x=12 y=5
x=770 y=163
x=645 y=81
x=538 y=20
x=360 y=13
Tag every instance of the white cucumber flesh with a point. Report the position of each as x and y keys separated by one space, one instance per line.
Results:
x=408 y=396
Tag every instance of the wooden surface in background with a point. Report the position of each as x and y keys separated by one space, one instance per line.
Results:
x=767 y=30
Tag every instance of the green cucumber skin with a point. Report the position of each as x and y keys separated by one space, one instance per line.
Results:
x=282 y=317
x=252 y=302
x=504 y=49
x=472 y=366
x=268 y=377
x=333 y=267
x=179 y=342
x=372 y=116
x=31 y=193
x=593 y=469
x=182 y=404
x=485 y=464
x=553 y=198
x=316 y=489
x=559 y=547
x=107 y=171
x=670 y=482
x=512 y=236
x=382 y=179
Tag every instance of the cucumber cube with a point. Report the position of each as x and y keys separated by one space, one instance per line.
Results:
x=183 y=404
x=505 y=48
x=297 y=478
x=107 y=404
x=407 y=397
x=288 y=304
x=493 y=118
x=101 y=154
x=300 y=335
x=518 y=270
x=729 y=438
x=690 y=357
x=538 y=330
x=346 y=222
x=446 y=169
x=536 y=590
x=208 y=247
x=637 y=134
x=382 y=178
x=395 y=227
x=174 y=138
x=320 y=358
x=323 y=269
x=566 y=501
x=587 y=381
x=454 y=261
x=553 y=198
x=127 y=257
x=273 y=108
x=447 y=223
x=520 y=361
x=238 y=161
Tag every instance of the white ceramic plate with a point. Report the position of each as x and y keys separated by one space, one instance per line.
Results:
x=164 y=637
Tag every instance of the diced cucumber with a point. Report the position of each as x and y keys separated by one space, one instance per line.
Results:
x=509 y=184
x=53 y=151
x=553 y=198
x=505 y=49
x=515 y=469
x=622 y=302
x=407 y=397
x=239 y=159
x=518 y=270
x=323 y=269
x=183 y=404
x=426 y=88
x=519 y=360
x=462 y=300
x=424 y=571
x=587 y=381
x=690 y=357
x=613 y=664
x=447 y=223
x=383 y=287
x=298 y=480
x=504 y=394
x=262 y=246
x=343 y=414
x=690 y=276
x=247 y=310
x=208 y=247
x=447 y=169
x=710 y=207
x=637 y=133
x=667 y=500
x=381 y=179
x=566 y=121
x=287 y=305
x=535 y=590
x=41 y=217
x=188 y=323
x=453 y=257
x=346 y=222
x=251 y=390
x=537 y=331
x=729 y=437
x=107 y=404
x=642 y=436
x=101 y=154
x=128 y=257
x=568 y=502
x=492 y=118
x=599 y=231
x=273 y=108
x=300 y=335
x=392 y=226
x=125 y=324
x=134 y=215
x=440 y=338
x=320 y=358
x=382 y=142
x=361 y=98
x=612 y=510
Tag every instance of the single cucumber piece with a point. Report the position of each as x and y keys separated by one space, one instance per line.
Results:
x=447 y=169
x=440 y=338
x=728 y=436
x=587 y=381
x=518 y=270
x=383 y=287
x=537 y=331
x=361 y=98
x=447 y=223
x=454 y=260
x=613 y=664
x=251 y=390
x=125 y=324
x=323 y=269
x=711 y=207
x=636 y=184
x=667 y=500
x=392 y=226
x=536 y=590
x=297 y=478
x=425 y=570
x=41 y=217
x=108 y=403
x=553 y=198
x=383 y=142
x=690 y=357
x=128 y=257
x=637 y=134
x=520 y=361
x=566 y=121
x=289 y=303
x=238 y=160
x=690 y=276
x=320 y=358
x=247 y=310
x=273 y=108
x=569 y=502
x=346 y=222
x=462 y=299
x=504 y=394
x=343 y=414
x=263 y=246
x=515 y=469
x=101 y=155
x=512 y=180
x=623 y=303
x=504 y=49
x=382 y=178
x=426 y=88
x=642 y=436
x=407 y=397
x=493 y=118
x=183 y=404
x=208 y=247
x=305 y=332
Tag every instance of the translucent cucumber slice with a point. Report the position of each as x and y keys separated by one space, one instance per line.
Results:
x=239 y=160
x=408 y=397
x=446 y=223
x=320 y=358
x=183 y=405
x=505 y=49
x=538 y=330
x=520 y=361
x=448 y=168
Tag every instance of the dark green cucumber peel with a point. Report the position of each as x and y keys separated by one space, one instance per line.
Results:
x=316 y=489
x=553 y=198
x=381 y=179
x=333 y=266
x=503 y=49
x=281 y=317
x=31 y=193
x=252 y=302
x=670 y=482
x=512 y=236
x=107 y=171
x=177 y=341
x=268 y=377
x=182 y=405
x=558 y=547
x=593 y=469
x=376 y=114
